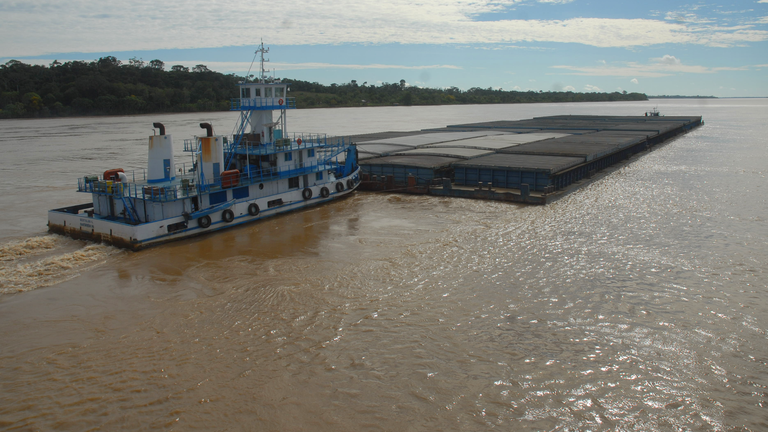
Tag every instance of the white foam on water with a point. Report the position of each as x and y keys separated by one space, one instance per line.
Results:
x=31 y=246
x=18 y=275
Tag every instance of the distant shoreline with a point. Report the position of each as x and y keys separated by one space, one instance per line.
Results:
x=682 y=97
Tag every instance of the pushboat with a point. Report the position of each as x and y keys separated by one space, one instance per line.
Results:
x=258 y=172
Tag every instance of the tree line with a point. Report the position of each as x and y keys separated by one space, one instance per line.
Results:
x=354 y=94
x=108 y=86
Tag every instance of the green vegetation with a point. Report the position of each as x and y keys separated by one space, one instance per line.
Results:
x=681 y=97
x=108 y=87
x=316 y=95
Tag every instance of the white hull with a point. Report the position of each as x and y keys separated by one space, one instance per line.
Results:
x=79 y=222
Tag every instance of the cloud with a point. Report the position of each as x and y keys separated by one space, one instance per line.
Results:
x=667 y=60
x=659 y=67
x=118 y=25
x=634 y=81
x=686 y=16
x=591 y=88
x=569 y=88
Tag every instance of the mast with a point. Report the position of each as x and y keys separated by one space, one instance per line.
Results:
x=263 y=74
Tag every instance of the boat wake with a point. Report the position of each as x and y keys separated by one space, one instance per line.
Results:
x=38 y=262
x=23 y=248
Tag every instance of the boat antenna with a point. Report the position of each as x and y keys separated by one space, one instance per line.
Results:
x=262 y=51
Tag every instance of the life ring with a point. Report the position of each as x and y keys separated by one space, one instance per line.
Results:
x=253 y=209
x=339 y=187
x=324 y=192
x=350 y=184
x=306 y=193
x=298 y=141
x=280 y=102
x=204 y=222
x=227 y=215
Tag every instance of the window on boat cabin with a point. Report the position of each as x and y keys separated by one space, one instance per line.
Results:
x=246 y=93
x=293 y=183
x=257 y=92
x=311 y=153
x=279 y=91
x=288 y=156
x=319 y=176
x=268 y=92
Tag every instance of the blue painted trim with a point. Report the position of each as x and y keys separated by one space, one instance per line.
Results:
x=163 y=180
x=269 y=213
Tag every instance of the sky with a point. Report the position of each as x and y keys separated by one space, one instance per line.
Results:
x=709 y=48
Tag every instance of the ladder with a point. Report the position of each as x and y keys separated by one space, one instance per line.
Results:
x=130 y=210
x=237 y=137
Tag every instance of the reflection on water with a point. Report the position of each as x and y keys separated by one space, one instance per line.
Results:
x=637 y=302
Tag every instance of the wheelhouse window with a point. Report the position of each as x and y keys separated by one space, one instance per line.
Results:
x=268 y=92
x=279 y=91
x=288 y=156
x=246 y=93
x=310 y=153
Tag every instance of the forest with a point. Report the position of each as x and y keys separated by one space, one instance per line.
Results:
x=108 y=86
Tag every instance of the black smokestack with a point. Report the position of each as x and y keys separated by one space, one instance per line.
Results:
x=208 y=127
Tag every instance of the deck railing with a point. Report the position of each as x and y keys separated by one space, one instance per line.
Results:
x=300 y=141
x=184 y=185
x=262 y=103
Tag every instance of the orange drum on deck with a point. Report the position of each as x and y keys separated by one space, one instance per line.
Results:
x=112 y=174
x=230 y=178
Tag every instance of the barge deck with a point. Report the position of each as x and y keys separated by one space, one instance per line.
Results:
x=533 y=161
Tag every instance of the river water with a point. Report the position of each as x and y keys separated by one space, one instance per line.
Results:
x=638 y=302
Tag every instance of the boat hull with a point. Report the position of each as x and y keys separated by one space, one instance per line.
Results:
x=78 y=222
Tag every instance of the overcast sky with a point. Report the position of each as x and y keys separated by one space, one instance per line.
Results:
x=655 y=47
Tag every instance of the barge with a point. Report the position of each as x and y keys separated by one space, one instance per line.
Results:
x=533 y=161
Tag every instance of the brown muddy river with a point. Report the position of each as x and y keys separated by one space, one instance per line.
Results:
x=638 y=302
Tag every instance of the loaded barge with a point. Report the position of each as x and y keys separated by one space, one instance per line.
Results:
x=533 y=161
x=256 y=173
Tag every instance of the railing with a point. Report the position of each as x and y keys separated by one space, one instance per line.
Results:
x=184 y=186
x=324 y=144
x=192 y=145
x=137 y=186
x=321 y=141
x=165 y=192
x=262 y=103
x=260 y=175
